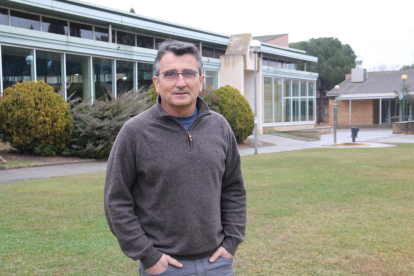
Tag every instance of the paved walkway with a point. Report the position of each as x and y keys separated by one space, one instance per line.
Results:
x=371 y=138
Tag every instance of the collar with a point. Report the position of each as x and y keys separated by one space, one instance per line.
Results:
x=202 y=108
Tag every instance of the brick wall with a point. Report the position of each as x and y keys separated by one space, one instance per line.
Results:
x=364 y=112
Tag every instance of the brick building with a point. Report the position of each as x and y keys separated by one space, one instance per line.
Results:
x=372 y=98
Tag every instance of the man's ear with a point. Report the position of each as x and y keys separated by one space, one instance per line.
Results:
x=155 y=80
x=202 y=77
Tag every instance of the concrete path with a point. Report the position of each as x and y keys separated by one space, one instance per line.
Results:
x=372 y=138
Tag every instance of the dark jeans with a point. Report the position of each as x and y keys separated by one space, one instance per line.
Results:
x=221 y=267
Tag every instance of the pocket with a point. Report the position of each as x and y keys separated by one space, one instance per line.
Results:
x=143 y=272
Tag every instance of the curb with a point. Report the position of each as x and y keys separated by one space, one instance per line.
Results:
x=47 y=164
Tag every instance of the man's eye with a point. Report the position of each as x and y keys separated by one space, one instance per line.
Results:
x=189 y=73
x=170 y=73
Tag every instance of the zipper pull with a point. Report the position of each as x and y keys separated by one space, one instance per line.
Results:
x=190 y=137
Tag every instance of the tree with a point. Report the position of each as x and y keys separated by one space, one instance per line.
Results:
x=335 y=60
x=407 y=67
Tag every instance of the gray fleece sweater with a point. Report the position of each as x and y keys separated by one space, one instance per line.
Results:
x=172 y=191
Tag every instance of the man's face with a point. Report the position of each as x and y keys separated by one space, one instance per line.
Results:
x=178 y=97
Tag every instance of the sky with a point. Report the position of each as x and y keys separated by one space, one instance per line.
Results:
x=382 y=34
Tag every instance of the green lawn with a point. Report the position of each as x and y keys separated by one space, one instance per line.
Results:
x=310 y=212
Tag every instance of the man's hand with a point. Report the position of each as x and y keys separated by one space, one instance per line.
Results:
x=220 y=252
x=162 y=264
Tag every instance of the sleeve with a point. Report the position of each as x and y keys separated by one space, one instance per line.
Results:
x=119 y=203
x=233 y=198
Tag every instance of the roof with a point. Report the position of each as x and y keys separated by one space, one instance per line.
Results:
x=265 y=38
x=378 y=83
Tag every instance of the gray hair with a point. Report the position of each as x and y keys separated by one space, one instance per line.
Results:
x=178 y=48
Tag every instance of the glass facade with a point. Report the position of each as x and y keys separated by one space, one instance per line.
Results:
x=4 y=16
x=288 y=100
x=81 y=30
x=145 y=42
x=267 y=94
x=56 y=26
x=124 y=76
x=25 y=20
x=102 y=77
x=101 y=34
x=211 y=79
x=277 y=100
x=78 y=77
x=17 y=65
x=125 y=38
x=145 y=74
x=49 y=68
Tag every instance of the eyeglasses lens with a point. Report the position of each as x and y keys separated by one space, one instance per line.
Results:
x=172 y=75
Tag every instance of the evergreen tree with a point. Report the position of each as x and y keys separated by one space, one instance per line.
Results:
x=335 y=60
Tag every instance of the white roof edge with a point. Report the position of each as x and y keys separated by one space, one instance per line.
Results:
x=361 y=96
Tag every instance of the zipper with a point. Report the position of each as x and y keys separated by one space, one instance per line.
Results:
x=190 y=137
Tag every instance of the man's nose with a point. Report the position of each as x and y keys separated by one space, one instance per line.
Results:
x=180 y=81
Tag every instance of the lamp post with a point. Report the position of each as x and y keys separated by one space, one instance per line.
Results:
x=403 y=77
x=336 y=112
x=255 y=46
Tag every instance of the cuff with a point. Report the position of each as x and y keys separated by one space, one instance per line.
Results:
x=230 y=244
x=152 y=259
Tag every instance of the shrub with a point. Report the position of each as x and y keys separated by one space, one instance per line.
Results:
x=151 y=96
x=96 y=126
x=32 y=115
x=235 y=108
x=210 y=97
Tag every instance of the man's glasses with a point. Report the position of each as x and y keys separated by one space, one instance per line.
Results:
x=172 y=75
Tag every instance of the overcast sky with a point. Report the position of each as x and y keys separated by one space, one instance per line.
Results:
x=381 y=32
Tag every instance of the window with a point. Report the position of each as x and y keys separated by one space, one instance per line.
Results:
x=56 y=26
x=267 y=93
x=158 y=41
x=208 y=52
x=286 y=100
x=211 y=79
x=49 y=68
x=277 y=99
x=125 y=38
x=102 y=77
x=101 y=34
x=145 y=74
x=145 y=41
x=25 y=20
x=124 y=76
x=4 y=16
x=78 y=75
x=17 y=65
x=81 y=30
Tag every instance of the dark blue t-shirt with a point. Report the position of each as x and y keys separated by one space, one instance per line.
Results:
x=189 y=120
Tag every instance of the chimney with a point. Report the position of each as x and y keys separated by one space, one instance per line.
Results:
x=359 y=74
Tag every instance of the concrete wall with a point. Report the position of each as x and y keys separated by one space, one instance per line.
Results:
x=232 y=72
x=287 y=128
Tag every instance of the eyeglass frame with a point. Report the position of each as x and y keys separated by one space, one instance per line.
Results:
x=179 y=74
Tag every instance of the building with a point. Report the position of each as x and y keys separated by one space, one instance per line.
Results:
x=372 y=98
x=89 y=50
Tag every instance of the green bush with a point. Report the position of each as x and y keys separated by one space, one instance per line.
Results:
x=151 y=96
x=33 y=116
x=210 y=97
x=235 y=108
x=96 y=126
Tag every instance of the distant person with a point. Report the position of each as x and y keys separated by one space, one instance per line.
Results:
x=174 y=191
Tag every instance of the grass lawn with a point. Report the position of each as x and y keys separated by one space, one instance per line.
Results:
x=310 y=212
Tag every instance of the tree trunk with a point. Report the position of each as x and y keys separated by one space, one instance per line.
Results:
x=320 y=115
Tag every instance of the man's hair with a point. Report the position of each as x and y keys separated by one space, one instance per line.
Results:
x=178 y=48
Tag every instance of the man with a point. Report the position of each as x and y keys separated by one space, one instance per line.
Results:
x=174 y=191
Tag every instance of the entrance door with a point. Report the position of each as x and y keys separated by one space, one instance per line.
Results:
x=386 y=112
